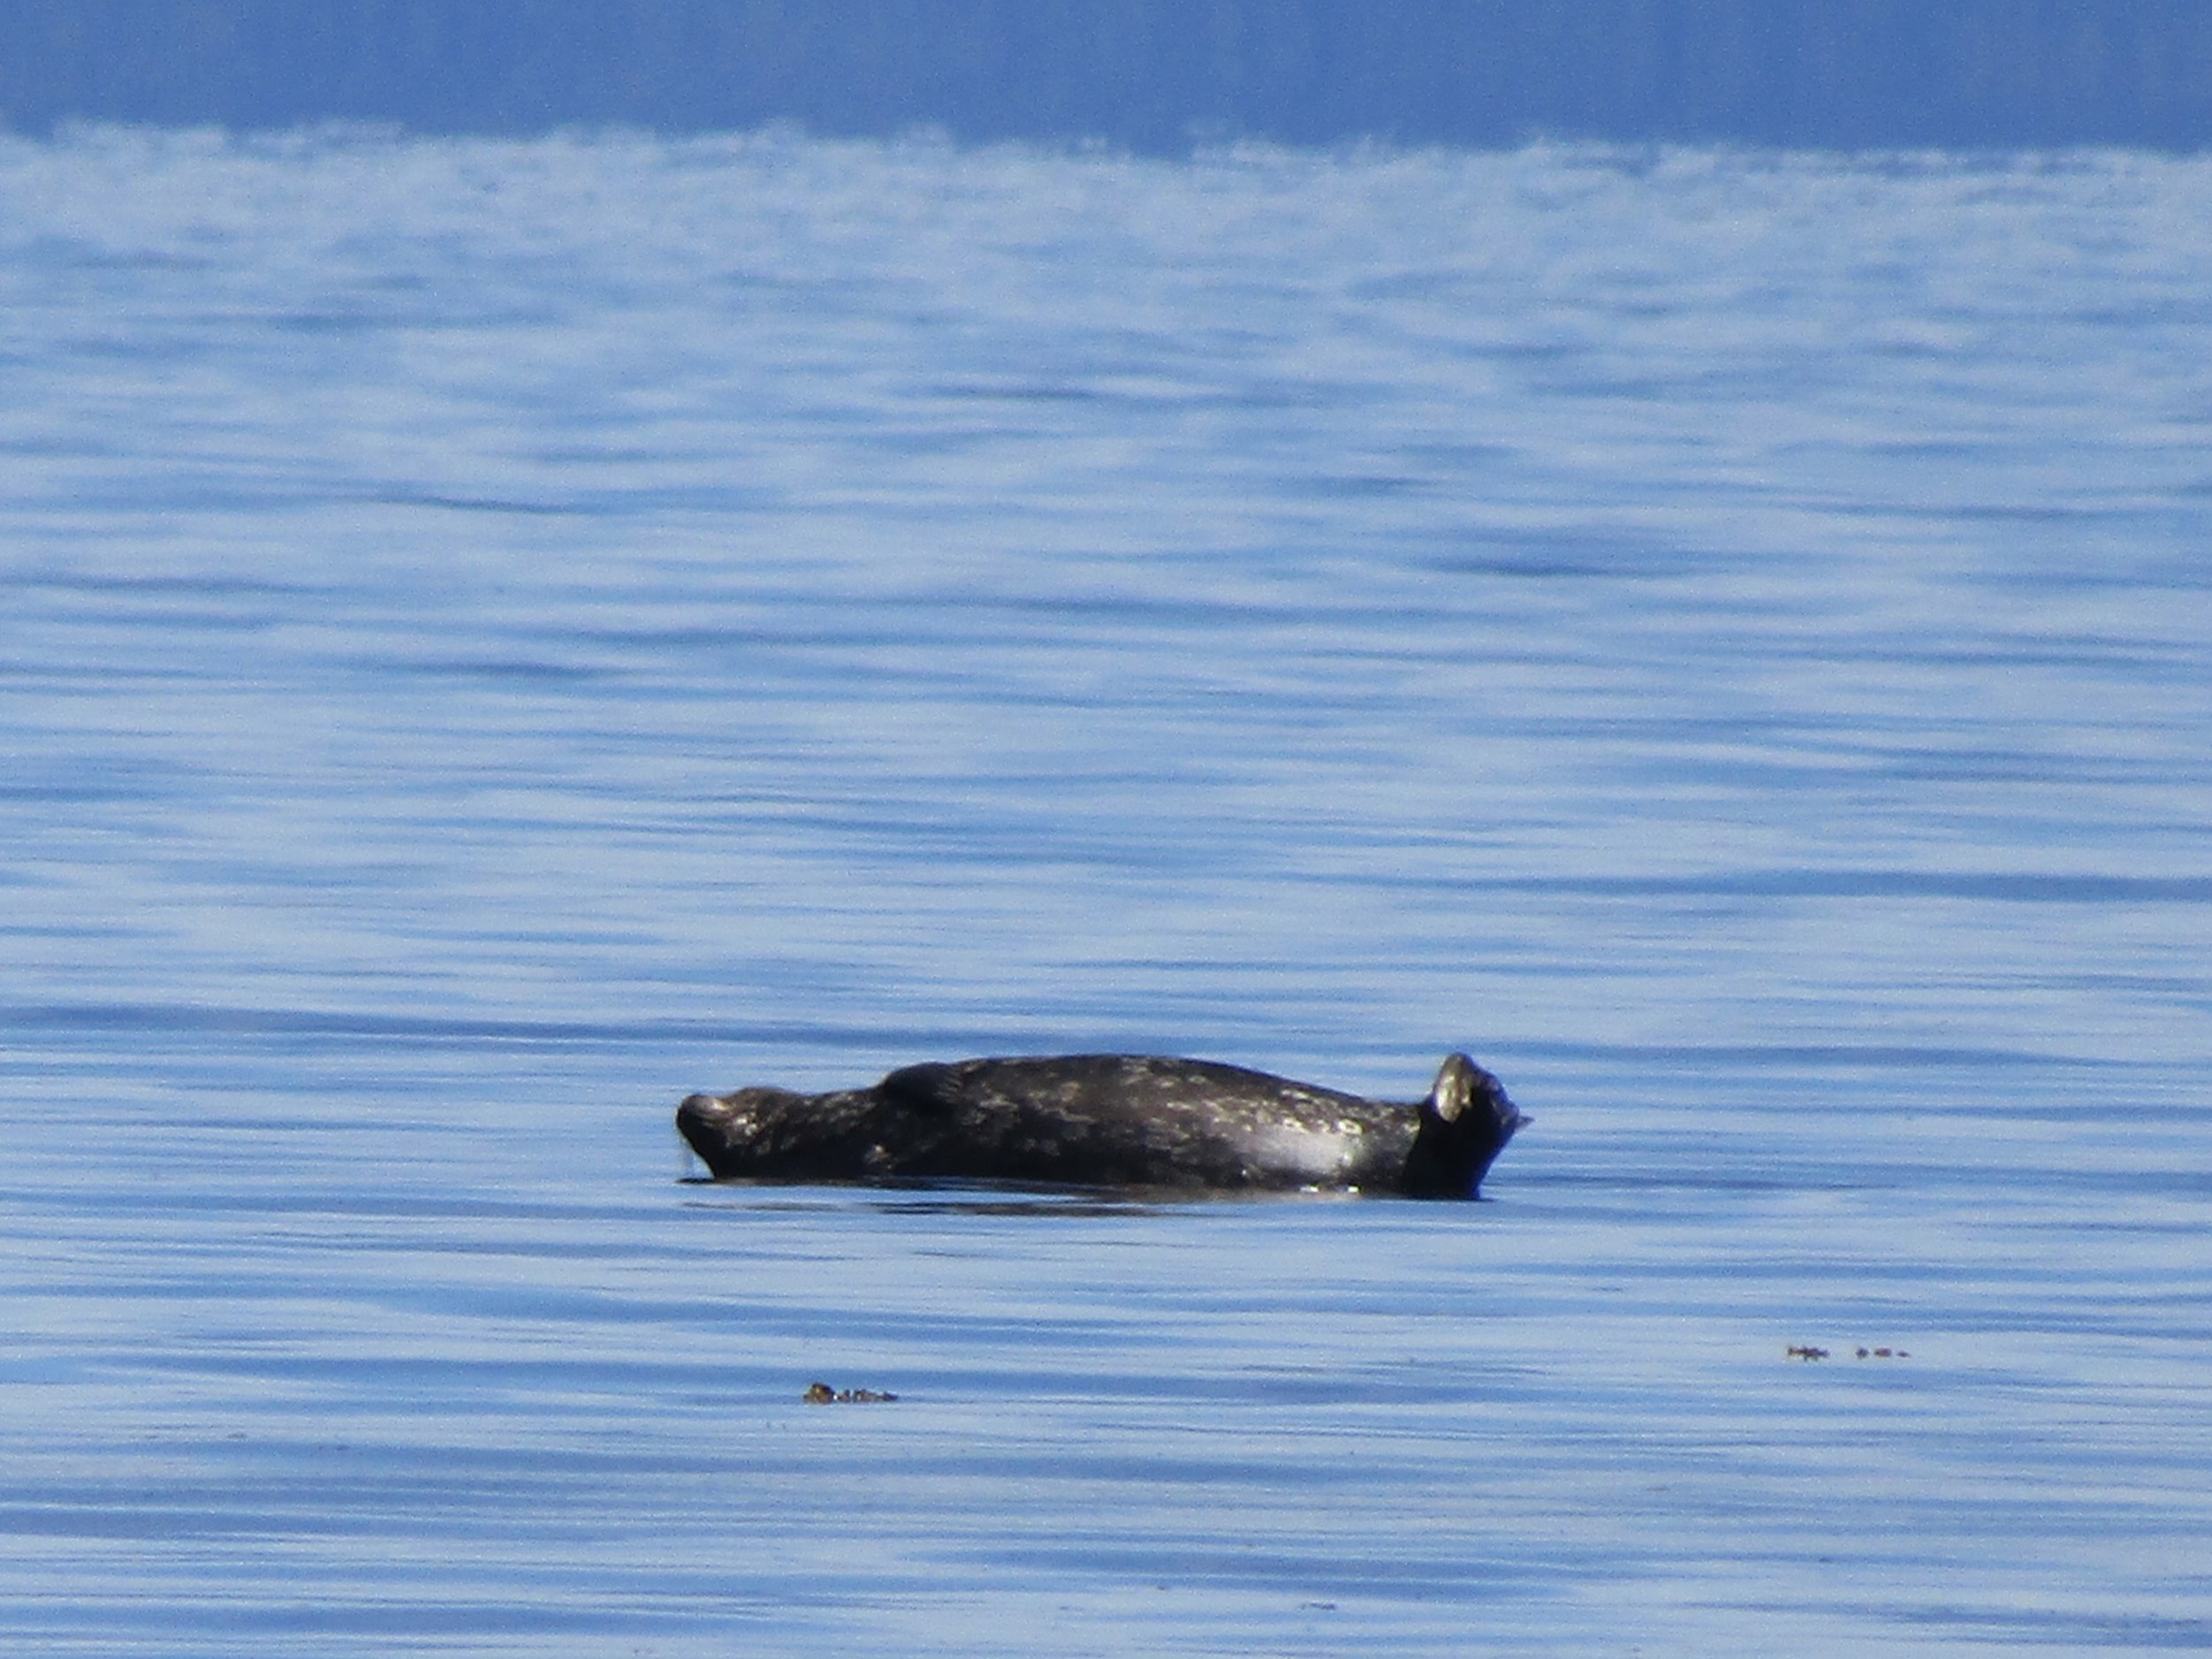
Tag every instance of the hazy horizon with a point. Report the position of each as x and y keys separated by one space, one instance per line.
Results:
x=1142 y=75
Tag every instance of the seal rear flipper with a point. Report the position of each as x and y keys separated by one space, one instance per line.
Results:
x=1461 y=1087
x=1464 y=1124
x=1452 y=1092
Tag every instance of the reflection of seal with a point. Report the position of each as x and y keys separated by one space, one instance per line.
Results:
x=1111 y=1120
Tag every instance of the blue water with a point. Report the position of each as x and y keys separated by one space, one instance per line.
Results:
x=494 y=637
x=1145 y=73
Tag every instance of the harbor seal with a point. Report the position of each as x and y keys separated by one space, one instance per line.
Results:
x=1111 y=1120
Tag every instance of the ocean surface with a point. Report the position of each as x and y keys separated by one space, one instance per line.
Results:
x=496 y=636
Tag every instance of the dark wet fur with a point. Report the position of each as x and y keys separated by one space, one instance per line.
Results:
x=1111 y=1120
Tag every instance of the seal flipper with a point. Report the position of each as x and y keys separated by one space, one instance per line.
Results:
x=933 y=1088
x=1464 y=1124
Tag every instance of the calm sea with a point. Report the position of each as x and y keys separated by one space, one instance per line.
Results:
x=494 y=637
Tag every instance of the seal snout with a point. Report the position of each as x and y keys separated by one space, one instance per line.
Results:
x=699 y=1110
x=703 y=1119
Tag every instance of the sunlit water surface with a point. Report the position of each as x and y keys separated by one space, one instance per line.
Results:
x=493 y=638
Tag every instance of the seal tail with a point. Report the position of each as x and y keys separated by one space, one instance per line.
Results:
x=1465 y=1123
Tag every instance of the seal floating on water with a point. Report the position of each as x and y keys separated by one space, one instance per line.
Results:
x=1111 y=1120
